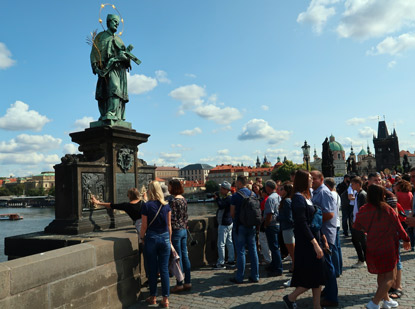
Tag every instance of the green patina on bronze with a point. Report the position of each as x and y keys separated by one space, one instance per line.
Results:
x=110 y=60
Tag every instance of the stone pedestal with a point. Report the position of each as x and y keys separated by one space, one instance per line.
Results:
x=107 y=168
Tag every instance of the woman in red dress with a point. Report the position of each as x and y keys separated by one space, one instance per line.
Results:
x=384 y=230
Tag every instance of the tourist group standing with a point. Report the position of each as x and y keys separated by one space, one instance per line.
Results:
x=297 y=220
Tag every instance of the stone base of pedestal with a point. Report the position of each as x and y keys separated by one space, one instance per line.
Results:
x=107 y=168
x=92 y=221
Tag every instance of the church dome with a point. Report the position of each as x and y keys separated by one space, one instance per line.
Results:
x=335 y=146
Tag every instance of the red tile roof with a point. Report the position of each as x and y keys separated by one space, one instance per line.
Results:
x=405 y=152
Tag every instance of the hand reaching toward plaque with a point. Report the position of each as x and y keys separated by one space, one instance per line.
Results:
x=96 y=202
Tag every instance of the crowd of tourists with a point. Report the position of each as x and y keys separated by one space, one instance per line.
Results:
x=297 y=220
x=300 y=220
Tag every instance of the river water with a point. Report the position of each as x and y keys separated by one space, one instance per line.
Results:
x=36 y=219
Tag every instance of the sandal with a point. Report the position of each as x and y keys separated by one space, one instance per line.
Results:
x=395 y=293
x=152 y=300
x=164 y=303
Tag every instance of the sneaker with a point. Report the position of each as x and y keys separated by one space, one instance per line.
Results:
x=287 y=258
x=230 y=265
x=289 y=304
x=219 y=266
x=372 y=305
x=287 y=284
x=390 y=304
x=359 y=264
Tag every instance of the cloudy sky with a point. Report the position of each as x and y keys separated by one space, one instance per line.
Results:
x=220 y=81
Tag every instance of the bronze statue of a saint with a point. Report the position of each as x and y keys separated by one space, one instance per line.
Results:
x=110 y=59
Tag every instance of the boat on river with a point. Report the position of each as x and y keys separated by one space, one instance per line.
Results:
x=12 y=217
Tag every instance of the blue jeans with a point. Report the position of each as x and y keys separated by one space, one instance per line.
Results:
x=399 y=265
x=225 y=237
x=337 y=255
x=157 y=247
x=330 y=291
x=179 y=240
x=272 y=237
x=245 y=236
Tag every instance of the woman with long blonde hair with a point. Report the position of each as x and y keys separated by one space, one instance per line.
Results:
x=156 y=234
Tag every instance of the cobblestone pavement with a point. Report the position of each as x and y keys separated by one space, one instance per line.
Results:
x=212 y=289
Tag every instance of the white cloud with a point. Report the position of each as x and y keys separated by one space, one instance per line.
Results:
x=170 y=157
x=195 y=131
x=260 y=129
x=347 y=142
x=19 y=117
x=366 y=132
x=317 y=14
x=265 y=107
x=222 y=129
x=190 y=75
x=138 y=83
x=412 y=134
x=394 y=45
x=226 y=159
x=161 y=76
x=275 y=152
x=81 y=124
x=356 y=121
x=391 y=64
x=5 y=57
x=30 y=143
x=70 y=149
x=219 y=115
x=365 y=19
x=28 y=158
x=190 y=96
x=223 y=151
x=176 y=146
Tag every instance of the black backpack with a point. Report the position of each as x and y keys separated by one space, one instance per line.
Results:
x=250 y=212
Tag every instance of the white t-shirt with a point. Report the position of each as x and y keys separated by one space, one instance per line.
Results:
x=338 y=202
x=351 y=191
x=355 y=208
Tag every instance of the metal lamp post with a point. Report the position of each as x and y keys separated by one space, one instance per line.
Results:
x=306 y=154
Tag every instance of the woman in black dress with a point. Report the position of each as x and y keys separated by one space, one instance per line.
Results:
x=309 y=263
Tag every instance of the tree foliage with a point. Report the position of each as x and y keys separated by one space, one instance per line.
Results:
x=211 y=186
x=284 y=171
x=36 y=192
x=17 y=189
x=4 y=191
x=51 y=191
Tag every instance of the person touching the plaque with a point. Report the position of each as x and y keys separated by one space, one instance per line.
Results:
x=132 y=208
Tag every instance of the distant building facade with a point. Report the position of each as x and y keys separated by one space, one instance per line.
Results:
x=46 y=180
x=167 y=172
x=386 y=148
x=366 y=162
x=227 y=172
x=195 y=172
x=410 y=156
